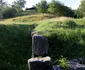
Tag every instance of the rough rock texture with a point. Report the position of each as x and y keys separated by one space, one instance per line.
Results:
x=73 y=66
x=40 y=63
x=39 y=45
x=76 y=66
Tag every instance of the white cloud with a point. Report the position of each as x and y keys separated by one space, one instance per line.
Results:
x=76 y=5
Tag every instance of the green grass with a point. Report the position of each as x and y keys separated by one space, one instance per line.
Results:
x=15 y=46
x=80 y=21
x=66 y=37
x=29 y=18
x=28 y=12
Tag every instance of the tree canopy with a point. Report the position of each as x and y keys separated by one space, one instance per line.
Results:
x=18 y=5
x=82 y=7
x=54 y=7
x=42 y=6
x=3 y=5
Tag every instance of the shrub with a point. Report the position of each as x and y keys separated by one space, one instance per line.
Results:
x=9 y=12
x=78 y=14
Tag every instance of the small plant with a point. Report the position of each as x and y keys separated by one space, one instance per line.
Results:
x=63 y=62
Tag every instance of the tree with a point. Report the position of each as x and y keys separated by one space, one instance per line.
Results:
x=18 y=5
x=57 y=8
x=8 y=12
x=2 y=6
x=53 y=7
x=78 y=14
x=2 y=3
x=82 y=7
x=42 y=6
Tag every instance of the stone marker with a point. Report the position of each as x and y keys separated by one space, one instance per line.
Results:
x=39 y=45
x=39 y=60
x=38 y=63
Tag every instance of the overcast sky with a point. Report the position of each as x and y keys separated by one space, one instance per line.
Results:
x=74 y=4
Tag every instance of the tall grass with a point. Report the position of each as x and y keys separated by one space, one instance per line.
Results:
x=15 y=46
x=66 y=38
x=30 y=18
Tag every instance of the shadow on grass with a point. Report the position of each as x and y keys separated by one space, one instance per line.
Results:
x=15 y=46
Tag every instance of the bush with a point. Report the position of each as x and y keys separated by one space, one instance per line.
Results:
x=78 y=14
x=9 y=12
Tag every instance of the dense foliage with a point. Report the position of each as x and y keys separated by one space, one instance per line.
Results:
x=54 y=7
x=78 y=14
x=18 y=5
x=42 y=6
x=82 y=7
x=2 y=6
x=9 y=12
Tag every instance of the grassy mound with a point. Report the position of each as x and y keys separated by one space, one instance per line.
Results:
x=28 y=12
x=31 y=18
x=65 y=37
x=64 y=40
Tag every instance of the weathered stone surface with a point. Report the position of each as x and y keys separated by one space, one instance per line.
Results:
x=56 y=67
x=39 y=45
x=40 y=63
x=76 y=66
x=79 y=60
x=73 y=66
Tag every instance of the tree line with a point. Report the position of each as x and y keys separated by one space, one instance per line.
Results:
x=8 y=11
x=54 y=7
x=57 y=8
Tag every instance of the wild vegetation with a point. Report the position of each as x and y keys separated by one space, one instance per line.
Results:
x=66 y=35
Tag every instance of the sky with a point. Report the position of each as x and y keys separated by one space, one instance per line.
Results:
x=74 y=4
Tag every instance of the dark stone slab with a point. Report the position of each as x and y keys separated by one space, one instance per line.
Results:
x=39 y=45
x=40 y=63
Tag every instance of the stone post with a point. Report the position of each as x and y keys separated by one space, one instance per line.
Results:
x=39 y=45
x=39 y=60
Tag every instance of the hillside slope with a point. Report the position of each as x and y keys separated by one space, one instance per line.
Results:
x=67 y=35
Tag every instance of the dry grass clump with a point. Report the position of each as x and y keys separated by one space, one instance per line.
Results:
x=31 y=18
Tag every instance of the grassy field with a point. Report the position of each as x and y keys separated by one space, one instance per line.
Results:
x=66 y=37
x=28 y=12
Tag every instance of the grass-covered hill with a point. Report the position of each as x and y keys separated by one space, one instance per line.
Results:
x=66 y=37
